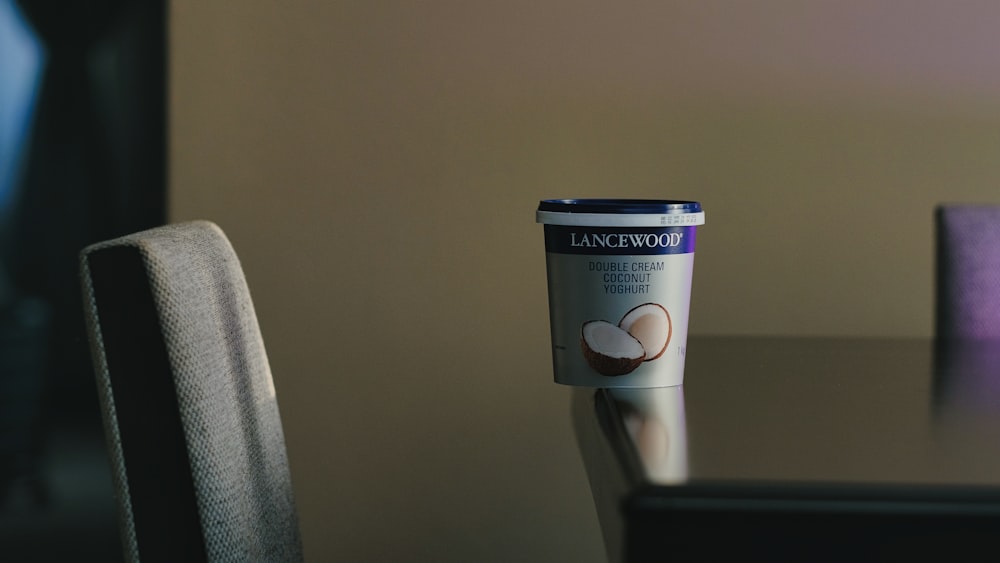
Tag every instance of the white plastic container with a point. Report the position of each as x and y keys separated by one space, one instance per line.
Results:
x=619 y=280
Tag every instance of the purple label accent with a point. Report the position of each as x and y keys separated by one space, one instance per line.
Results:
x=619 y=241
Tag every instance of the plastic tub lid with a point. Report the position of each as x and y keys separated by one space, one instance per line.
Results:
x=620 y=212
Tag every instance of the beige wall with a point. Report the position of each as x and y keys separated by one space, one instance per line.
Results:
x=348 y=145
x=377 y=164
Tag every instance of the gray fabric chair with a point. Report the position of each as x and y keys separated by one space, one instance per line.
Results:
x=968 y=272
x=191 y=419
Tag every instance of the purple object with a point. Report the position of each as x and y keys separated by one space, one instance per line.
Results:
x=968 y=272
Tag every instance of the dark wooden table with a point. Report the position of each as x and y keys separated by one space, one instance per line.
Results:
x=801 y=449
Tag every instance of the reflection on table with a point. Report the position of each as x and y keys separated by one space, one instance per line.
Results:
x=654 y=422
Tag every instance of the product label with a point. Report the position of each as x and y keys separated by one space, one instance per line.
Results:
x=619 y=301
x=619 y=240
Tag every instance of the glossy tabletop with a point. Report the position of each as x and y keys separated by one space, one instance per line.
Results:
x=792 y=445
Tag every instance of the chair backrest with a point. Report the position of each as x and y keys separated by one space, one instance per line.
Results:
x=968 y=272
x=191 y=419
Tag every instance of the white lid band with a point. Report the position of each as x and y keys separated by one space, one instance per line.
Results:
x=620 y=219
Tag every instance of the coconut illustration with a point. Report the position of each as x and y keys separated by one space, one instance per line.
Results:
x=640 y=336
x=609 y=349
x=650 y=324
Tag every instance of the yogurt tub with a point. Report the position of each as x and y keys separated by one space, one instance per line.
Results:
x=619 y=283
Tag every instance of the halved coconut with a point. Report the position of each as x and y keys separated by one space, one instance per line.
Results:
x=650 y=324
x=609 y=349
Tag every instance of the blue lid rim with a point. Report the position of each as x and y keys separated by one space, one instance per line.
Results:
x=629 y=206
